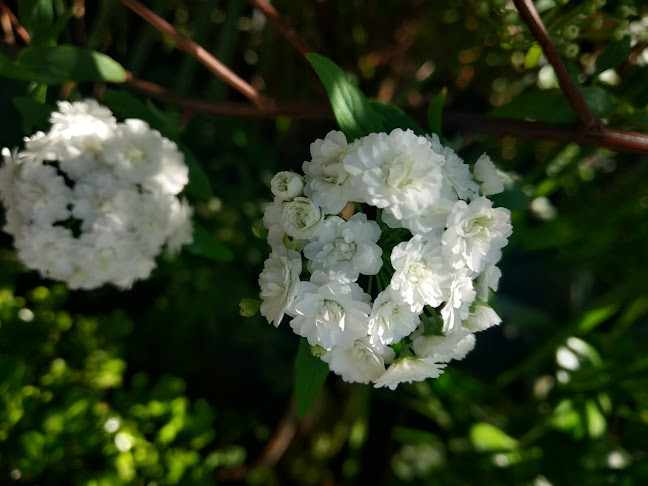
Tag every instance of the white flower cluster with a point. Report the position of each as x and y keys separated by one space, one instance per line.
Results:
x=93 y=201
x=412 y=278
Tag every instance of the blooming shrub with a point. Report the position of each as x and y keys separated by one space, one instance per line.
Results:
x=409 y=273
x=93 y=201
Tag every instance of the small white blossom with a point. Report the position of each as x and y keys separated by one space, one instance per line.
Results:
x=328 y=183
x=301 y=218
x=391 y=319
x=346 y=249
x=287 y=185
x=362 y=362
x=420 y=273
x=442 y=349
x=330 y=313
x=455 y=171
x=488 y=279
x=476 y=234
x=398 y=171
x=459 y=297
x=485 y=172
x=409 y=369
x=482 y=316
x=278 y=283
x=272 y=222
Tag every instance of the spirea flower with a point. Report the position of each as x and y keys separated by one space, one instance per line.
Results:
x=346 y=249
x=93 y=201
x=409 y=272
x=278 y=283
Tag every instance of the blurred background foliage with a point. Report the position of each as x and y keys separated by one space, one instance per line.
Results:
x=167 y=385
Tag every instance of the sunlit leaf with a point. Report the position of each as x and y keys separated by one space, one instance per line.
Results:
x=488 y=438
x=352 y=110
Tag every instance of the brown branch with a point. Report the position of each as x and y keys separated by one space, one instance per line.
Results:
x=618 y=140
x=532 y=18
x=284 y=29
x=17 y=26
x=201 y=55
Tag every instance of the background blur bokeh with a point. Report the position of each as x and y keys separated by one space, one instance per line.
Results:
x=166 y=384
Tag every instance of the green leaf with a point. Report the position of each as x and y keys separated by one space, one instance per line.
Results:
x=37 y=17
x=35 y=115
x=391 y=117
x=248 y=307
x=435 y=112
x=11 y=69
x=206 y=246
x=310 y=375
x=613 y=55
x=199 y=185
x=56 y=65
x=553 y=107
x=352 y=110
x=488 y=438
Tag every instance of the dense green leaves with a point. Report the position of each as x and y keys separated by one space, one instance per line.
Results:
x=310 y=375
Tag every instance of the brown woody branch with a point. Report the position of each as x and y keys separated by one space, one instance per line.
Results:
x=619 y=140
x=532 y=18
x=284 y=29
x=201 y=55
x=20 y=30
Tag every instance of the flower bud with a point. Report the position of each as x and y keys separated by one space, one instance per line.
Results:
x=287 y=185
x=301 y=218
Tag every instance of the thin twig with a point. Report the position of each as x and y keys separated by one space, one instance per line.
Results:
x=618 y=140
x=201 y=55
x=20 y=30
x=284 y=29
x=532 y=18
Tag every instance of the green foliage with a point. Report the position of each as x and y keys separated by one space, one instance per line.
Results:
x=310 y=375
x=168 y=384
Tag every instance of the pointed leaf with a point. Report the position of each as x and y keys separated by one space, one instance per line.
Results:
x=37 y=17
x=56 y=65
x=435 y=112
x=352 y=110
x=310 y=375
x=613 y=55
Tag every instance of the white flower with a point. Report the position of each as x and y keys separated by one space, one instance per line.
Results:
x=272 y=222
x=328 y=183
x=93 y=201
x=346 y=249
x=76 y=128
x=482 y=316
x=460 y=296
x=391 y=319
x=456 y=173
x=476 y=234
x=362 y=362
x=485 y=172
x=420 y=273
x=278 y=282
x=301 y=218
x=398 y=171
x=441 y=349
x=330 y=313
x=488 y=279
x=409 y=369
x=135 y=151
x=287 y=185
